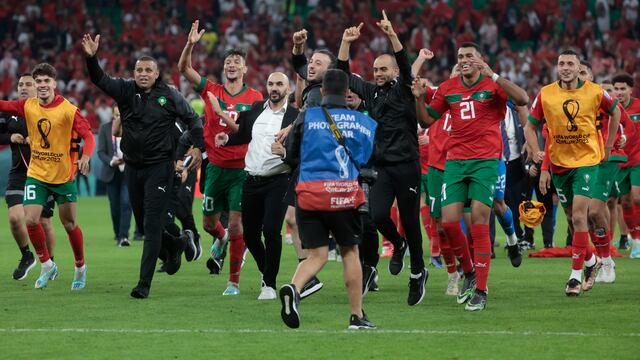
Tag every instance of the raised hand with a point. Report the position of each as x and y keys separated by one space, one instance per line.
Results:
x=89 y=45
x=425 y=54
x=300 y=37
x=385 y=25
x=482 y=66
x=194 y=34
x=352 y=34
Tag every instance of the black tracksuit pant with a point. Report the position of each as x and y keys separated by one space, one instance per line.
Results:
x=150 y=195
x=369 y=246
x=399 y=181
x=263 y=211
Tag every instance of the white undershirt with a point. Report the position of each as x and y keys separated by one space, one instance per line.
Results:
x=510 y=127
x=259 y=160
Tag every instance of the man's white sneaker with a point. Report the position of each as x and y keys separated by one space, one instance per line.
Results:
x=267 y=293
x=452 y=284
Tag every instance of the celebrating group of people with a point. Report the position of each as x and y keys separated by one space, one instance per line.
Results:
x=337 y=154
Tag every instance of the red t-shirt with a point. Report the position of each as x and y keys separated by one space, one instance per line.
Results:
x=438 y=139
x=231 y=157
x=476 y=112
x=633 y=145
x=626 y=127
x=424 y=149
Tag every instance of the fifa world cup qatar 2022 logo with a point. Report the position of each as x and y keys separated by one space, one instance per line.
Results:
x=571 y=109
x=44 y=128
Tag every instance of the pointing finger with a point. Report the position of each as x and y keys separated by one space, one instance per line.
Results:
x=384 y=15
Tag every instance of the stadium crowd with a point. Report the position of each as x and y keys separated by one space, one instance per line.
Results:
x=521 y=38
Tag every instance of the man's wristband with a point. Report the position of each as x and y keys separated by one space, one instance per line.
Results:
x=495 y=77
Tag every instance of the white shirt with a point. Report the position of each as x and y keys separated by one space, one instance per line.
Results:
x=510 y=127
x=259 y=160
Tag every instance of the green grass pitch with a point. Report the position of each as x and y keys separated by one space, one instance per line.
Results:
x=527 y=317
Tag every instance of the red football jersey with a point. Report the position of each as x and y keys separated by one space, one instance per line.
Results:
x=633 y=145
x=424 y=149
x=476 y=112
x=225 y=156
x=626 y=127
x=438 y=138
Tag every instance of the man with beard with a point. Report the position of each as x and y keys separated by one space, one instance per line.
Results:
x=225 y=171
x=266 y=180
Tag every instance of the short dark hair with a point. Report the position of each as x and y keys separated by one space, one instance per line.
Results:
x=570 y=52
x=235 y=52
x=332 y=58
x=587 y=64
x=623 y=78
x=606 y=82
x=147 y=58
x=469 y=44
x=335 y=82
x=24 y=74
x=44 y=69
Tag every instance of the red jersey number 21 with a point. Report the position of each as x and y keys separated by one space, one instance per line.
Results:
x=233 y=114
x=467 y=110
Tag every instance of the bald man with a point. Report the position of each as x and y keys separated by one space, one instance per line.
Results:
x=266 y=182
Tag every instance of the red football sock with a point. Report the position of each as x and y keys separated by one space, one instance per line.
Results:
x=426 y=219
x=218 y=232
x=433 y=237
x=482 y=252
x=579 y=249
x=631 y=220
x=459 y=244
x=38 y=239
x=447 y=254
x=601 y=243
x=77 y=245
x=635 y=232
x=605 y=250
x=236 y=251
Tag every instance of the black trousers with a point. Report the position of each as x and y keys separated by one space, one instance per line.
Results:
x=150 y=196
x=515 y=191
x=370 y=243
x=183 y=206
x=263 y=211
x=402 y=182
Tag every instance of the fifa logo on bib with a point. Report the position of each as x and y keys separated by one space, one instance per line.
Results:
x=44 y=128
x=571 y=109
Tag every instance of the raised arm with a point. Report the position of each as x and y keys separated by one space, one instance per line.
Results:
x=184 y=64
x=387 y=28
x=114 y=87
x=298 y=60
x=423 y=55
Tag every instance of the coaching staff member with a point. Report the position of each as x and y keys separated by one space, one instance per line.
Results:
x=396 y=158
x=267 y=177
x=148 y=110
x=329 y=144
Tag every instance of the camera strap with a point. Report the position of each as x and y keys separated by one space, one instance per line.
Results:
x=337 y=134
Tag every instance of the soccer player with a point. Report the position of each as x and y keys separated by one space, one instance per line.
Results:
x=476 y=101
x=599 y=215
x=628 y=182
x=225 y=171
x=14 y=132
x=52 y=121
x=569 y=107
